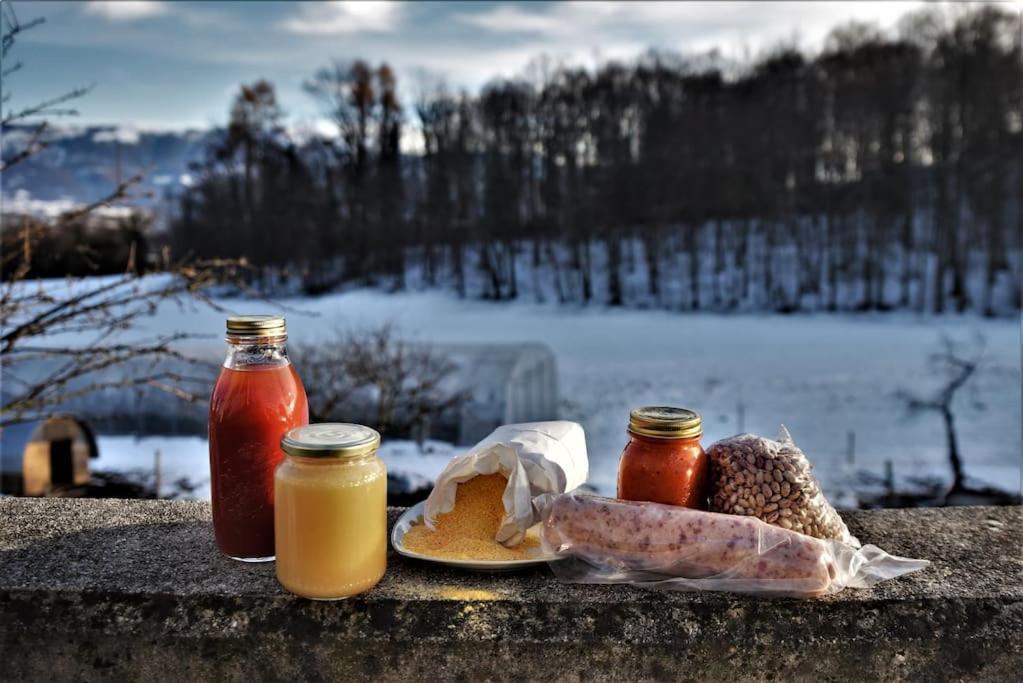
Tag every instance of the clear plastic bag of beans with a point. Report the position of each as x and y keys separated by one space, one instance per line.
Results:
x=772 y=481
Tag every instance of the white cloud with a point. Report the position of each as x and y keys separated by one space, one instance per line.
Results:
x=467 y=44
x=690 y=26
x=126 y=10
x=512 y=19
x=345 y=17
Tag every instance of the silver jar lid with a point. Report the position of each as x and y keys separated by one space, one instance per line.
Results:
x=330 y=440
x=666 y=422
x=256 y=326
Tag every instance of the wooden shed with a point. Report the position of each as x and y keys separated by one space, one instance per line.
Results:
x=45 y=456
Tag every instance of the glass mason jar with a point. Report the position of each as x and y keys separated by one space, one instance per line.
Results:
x=331 y=512
x=257 y=398
x=664 y=461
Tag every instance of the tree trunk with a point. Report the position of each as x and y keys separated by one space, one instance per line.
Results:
x=581 y=258
x=958 y=279
x=719 y=264
x=744 y=262
x=940 y=239
x=653 y=263
x=880 y=273
x=864 y=238
x=457 y=267
x=907 y=259
x=768 y=268
x=829 y=249
x=513 y=281
x=694 y=268
x=490 y=270
x=953 y=450
x=614 y=266
x=556 y=271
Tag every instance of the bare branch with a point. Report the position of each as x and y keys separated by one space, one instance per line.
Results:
x=58 y=371
x=15 y=28
x=119 y=192
x=958 y=368
x=17 y=66
x=62 y=343
x=48 y=107
x=397 y=386
x=33 y=146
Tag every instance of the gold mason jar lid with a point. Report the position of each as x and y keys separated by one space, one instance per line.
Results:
x=665 y=422
x=256 y=326
x=330 y=440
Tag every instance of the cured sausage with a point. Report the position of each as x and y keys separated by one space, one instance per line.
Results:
x=682 y=542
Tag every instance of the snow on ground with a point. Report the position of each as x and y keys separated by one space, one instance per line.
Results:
x=823 y=376
x=188 y=457
x=180 y=457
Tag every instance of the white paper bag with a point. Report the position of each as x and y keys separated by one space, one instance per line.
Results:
x=537 y=458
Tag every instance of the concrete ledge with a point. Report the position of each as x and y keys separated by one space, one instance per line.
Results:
x=134 y=590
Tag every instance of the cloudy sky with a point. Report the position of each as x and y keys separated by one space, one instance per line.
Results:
x=162 y=64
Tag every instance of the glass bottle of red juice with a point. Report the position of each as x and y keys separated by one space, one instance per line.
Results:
x=257 y=398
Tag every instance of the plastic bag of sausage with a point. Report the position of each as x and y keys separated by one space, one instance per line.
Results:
x=604 y=540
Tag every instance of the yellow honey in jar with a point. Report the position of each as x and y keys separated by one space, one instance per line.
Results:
x=330 y=511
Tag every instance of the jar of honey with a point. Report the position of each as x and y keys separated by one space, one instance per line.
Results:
x=664 y=461
x=257 y=398
x=331 y=511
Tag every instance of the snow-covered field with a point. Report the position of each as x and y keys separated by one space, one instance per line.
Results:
x=823 y=376
x=187 y=457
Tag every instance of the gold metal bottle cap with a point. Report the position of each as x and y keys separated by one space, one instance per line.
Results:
x=256 y=326
x=330 y=440
x=665 y=422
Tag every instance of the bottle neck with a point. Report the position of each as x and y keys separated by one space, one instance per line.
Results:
x=250 y=352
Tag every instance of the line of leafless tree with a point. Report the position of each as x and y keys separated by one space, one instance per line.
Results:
x=884 y=172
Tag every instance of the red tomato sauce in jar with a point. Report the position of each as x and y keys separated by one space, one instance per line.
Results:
x=664 y=461
x=257 y=398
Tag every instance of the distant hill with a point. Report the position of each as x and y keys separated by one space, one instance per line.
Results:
x=82 y=164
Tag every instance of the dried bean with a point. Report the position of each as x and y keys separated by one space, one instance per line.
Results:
x=773 y=481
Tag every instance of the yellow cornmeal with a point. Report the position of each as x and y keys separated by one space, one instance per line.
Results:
x=467 y=532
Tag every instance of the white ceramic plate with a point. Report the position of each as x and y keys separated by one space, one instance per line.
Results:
x=415 y=514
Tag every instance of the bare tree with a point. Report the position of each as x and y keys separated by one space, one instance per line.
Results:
x=67 y=339
x=62 y=340
x=881 y=172
x=33 y=113
x=346 y=93
x=957 y=366
x=376 y=375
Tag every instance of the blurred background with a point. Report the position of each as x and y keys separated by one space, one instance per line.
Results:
x=801 y=214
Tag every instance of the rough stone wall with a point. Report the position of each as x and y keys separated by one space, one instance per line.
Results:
x=134 y=590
